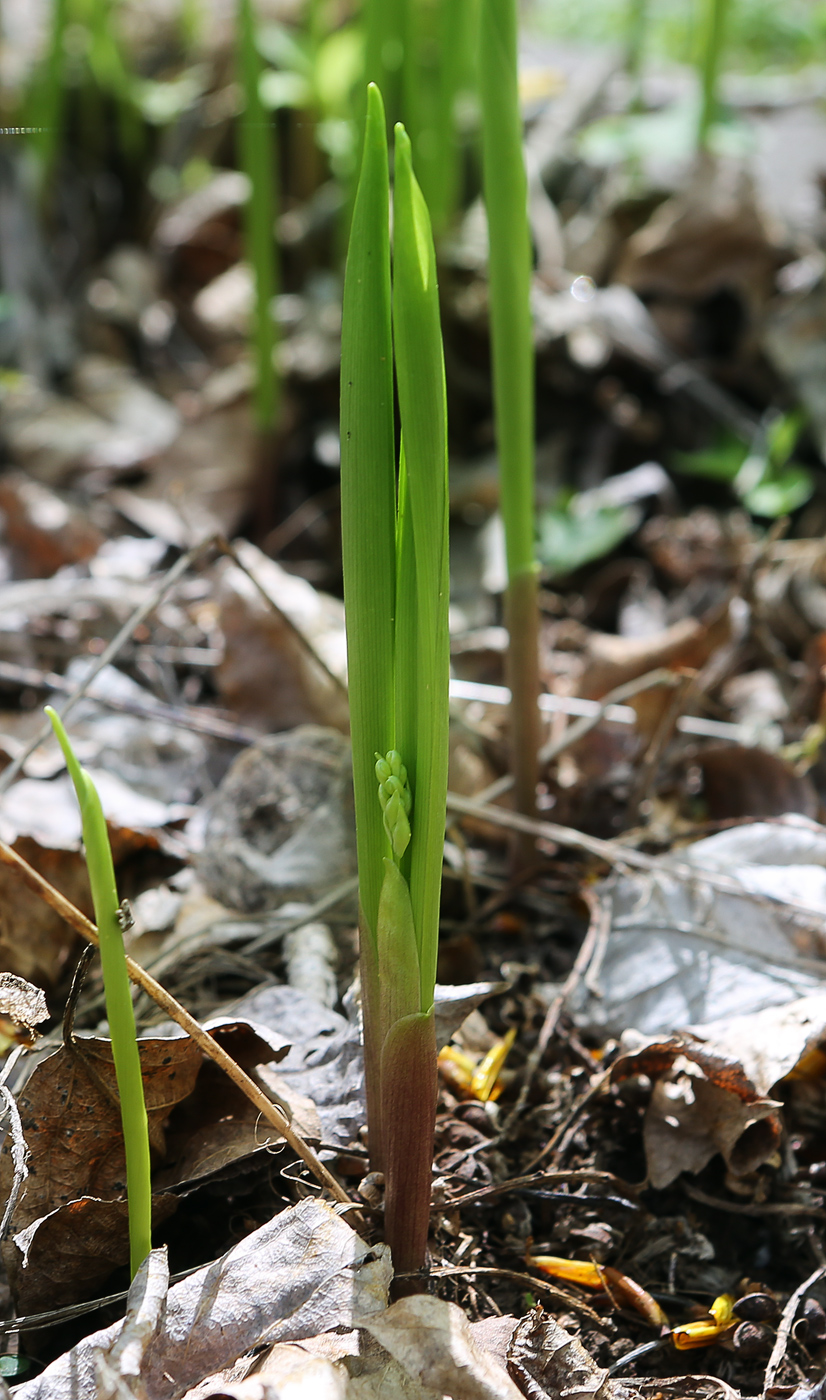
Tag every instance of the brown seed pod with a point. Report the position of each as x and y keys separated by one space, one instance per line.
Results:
x=752 y=1339
x=757 y=1307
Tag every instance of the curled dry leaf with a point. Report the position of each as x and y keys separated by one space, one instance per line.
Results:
x=69 y=1254
x=700 y=1105
x=547 y=1360
x=22 y=1003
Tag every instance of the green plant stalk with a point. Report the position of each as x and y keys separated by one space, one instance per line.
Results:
x=505 y=187
x=119 y=1009
x=256 y=152
x=394 y=550
x=713 y=36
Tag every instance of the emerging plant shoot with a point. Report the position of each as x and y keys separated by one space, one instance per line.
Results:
x=395 y=553
x=119 y=1010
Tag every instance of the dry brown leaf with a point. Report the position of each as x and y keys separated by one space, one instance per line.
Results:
x=304 y=1271
x=67 y=1255
x=700 y=1105
x=44 y=531
x=553 y=1362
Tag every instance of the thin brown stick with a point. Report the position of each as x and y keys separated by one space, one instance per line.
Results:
x=600 y=910
x=625 y=857
x=526 y=1281
x=784 y=1331
x=575 y=1177
x=205 y=1042
x=752 y=1207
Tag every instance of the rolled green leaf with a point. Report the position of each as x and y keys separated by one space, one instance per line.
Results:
x=423 y=660
x=119 y=1009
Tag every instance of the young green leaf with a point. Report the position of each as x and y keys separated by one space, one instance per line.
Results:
x=119 y=1010
x=422 y=738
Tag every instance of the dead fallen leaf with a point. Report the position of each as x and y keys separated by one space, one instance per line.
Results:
x=303 y=1272
x=552 y=1362
x=71 y=1123
x=279 y=666
x=67 y=1255
x=700 y=1105
x=119 y=1366
x=433 y=1341
x=44 y=531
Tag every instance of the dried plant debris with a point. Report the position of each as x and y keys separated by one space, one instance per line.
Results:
x=22 y=1004
x=700 y=1105
x=69 y=1225
x=303 y=1273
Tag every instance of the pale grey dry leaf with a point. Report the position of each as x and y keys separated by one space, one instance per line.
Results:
x=22 y=1002
x=432 y=1340
x=303 y=1272
x=118 y=1369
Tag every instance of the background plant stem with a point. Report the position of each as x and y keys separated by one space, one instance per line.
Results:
x=257 y=160
x=712 y=38
x=505 y=186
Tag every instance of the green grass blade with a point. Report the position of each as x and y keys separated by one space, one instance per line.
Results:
x=257 y=160
x=119 y=1009
x=368 y=498
x=422 y=405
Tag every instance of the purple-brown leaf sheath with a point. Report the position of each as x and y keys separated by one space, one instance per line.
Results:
x=373 y=1036
x=408 y=1065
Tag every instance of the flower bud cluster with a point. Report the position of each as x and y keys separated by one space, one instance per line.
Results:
x=396 y=800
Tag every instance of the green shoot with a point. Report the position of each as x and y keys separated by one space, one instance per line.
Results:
x=119 y=1010
x=712 y=39
x=505 y=187
x=395 y=555
x=257 y=161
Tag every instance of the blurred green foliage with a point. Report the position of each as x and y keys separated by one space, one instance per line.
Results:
x=761 y=33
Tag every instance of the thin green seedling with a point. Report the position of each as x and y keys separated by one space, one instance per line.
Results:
x=509 y=277
x=256 y=152
x=119 y=1009
x=712 y=39
x=395 y=557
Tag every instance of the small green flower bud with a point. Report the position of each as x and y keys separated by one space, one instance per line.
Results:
x=396 y=800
